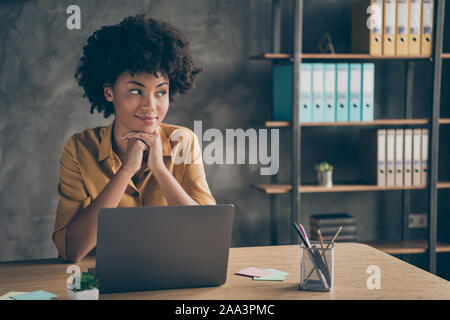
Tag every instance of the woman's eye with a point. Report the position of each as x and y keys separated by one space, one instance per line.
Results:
x=136 y=91
x=163 y=92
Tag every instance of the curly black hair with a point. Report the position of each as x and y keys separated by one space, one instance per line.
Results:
x=136 y=44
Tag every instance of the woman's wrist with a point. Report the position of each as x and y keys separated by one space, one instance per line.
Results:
x=126 y=171
x=160 y=170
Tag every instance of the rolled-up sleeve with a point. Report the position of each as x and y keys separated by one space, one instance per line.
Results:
x=194 y=178
x=72 y=193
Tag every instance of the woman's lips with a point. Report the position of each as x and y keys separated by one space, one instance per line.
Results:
x=147 y=119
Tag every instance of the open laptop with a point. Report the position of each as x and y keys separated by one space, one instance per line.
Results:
x=148 y=248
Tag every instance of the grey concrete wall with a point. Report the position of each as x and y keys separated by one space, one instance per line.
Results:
x=42 y=106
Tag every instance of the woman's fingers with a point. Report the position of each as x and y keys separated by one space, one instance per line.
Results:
x=147 y=138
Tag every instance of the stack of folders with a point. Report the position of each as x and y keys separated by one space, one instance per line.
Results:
x=394 y=157
x=328 y=92
x=330 y=223
x=393 y=27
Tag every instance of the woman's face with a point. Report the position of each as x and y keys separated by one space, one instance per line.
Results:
x=140 y=101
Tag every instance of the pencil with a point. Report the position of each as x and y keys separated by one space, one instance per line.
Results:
x=321 y=246
x=334 y=237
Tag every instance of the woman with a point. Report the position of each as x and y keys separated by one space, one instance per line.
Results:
x=131 y=70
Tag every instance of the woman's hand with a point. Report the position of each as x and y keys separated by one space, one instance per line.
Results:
x=155 y=160
x=134 y=155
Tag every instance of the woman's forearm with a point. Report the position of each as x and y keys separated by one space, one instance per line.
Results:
x=172 y=190
x=81 y=235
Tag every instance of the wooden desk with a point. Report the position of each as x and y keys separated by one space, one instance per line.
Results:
x=399 y=280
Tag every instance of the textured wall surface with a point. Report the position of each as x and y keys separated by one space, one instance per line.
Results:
x=42 y=106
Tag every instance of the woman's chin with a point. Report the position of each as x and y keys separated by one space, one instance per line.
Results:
x=148 y=128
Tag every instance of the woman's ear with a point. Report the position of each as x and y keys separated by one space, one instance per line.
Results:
x=108 y=92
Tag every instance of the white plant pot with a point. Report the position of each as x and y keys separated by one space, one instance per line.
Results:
x=91 y=294
x=325 y=178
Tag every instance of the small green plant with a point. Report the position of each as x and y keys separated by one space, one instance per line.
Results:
x=324 y=167
x=88 y=281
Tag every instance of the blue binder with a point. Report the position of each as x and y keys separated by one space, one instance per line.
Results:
x=282 y=77
x=368 y=85
x=305 y=113
x=342 y=92
x=354 y=113
x=329 y=88
x=317 y=92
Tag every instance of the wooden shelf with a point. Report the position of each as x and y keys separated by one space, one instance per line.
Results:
x=377 y=122
x=286 y=188
x=445 y=56
x=443 y=185
x=444 y=121
x=339 y=56
x=277 y=124
x=407 y=247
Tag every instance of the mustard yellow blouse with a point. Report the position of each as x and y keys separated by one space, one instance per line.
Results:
x=88 y=162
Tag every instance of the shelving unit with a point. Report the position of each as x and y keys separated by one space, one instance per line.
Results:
x=377 y=122
x=286 y=188
x=322 y=56
x=295 y=189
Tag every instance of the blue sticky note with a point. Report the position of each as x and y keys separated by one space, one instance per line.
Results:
x=280 y=272
x=275 y=275
x=35 y=295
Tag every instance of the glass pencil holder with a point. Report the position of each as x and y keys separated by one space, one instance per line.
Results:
x=316 y=267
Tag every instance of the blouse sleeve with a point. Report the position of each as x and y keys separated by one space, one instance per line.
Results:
x=72 y=193
x=194 y=178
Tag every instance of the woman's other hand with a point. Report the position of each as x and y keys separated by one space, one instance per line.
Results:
x=134 y=155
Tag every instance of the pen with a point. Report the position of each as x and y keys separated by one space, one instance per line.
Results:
x=307 y=244
x=305 y=235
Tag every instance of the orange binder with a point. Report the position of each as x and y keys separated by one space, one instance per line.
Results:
x=402 y=38
x=415 y=14
x=427 y=28
x=367 y=27
x=389 y=27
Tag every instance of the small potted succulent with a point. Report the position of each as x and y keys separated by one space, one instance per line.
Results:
x=88 y=288
x=325 y=174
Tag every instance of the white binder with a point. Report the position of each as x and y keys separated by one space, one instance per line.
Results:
x=423 y=177
x=407 y=156
x=342 y=95
x=317 y=92
x=417 y=172
x=368 y=91
x=329 y=114
x=390 y=157
x=381 y=157
x=305 y=113
x=354 y=112
x=399 y=157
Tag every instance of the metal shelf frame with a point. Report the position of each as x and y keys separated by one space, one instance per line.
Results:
x=433 y=125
